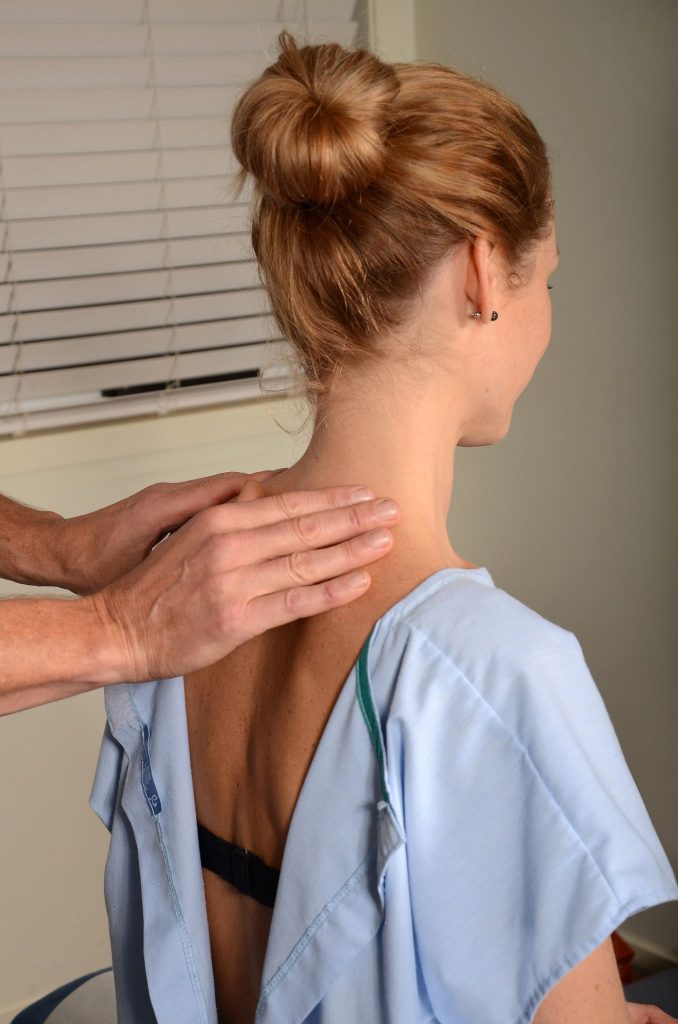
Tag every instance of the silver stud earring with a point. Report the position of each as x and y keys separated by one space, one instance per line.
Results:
x=495 y=315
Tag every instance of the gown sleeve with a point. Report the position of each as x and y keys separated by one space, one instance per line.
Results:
x=528 y=842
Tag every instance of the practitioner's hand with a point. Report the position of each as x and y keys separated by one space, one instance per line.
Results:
x=88 y=552
x=234 y=571
x=649 y=1015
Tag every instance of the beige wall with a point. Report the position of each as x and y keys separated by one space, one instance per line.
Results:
x=575 y=511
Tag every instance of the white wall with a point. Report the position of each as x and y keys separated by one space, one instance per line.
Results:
x=576 y=510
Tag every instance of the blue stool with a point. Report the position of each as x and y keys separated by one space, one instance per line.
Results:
x=86 y=1000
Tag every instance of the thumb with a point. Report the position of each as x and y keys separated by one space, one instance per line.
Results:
x=171 y=507
x=251 y=491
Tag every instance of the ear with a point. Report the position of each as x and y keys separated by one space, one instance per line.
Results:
x=480 y=277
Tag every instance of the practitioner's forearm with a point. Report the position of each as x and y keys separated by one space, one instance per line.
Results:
x=27 y=553
x=53 y=648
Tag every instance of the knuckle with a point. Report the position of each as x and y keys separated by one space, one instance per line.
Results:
x=289 y=505
x=307 y=529
x=218 y=549
x=210 y=519
x=146 y=498
x=160 y=487
x=232 y=617
x=300 y=567
x=358 y=548
x=357 y=517
x=292 y=601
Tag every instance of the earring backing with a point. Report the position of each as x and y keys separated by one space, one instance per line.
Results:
x=495 y=315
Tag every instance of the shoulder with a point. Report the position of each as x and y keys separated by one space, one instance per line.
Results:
x=463 y=631
x=471 y=680
x=506 y=773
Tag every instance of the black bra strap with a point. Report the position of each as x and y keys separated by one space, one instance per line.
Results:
x=242 y=868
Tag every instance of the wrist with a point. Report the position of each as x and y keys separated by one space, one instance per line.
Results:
x=117 y=656
x=36 y=560
x=44 y=537
x=60 y=555
x=110 y=656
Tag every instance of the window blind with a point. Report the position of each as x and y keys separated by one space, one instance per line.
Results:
x=128 y=283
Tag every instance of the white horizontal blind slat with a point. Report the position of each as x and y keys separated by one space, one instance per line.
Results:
x=91 y=408
x=138 y=371
x=42 y=43
x=92 y=260
x=58 y=11
x=125 y=316
x=113 y=136
x=33 y=172
x=70 y=200
x=124 y=263
x=255 y=10
x=20 y=40
x=127 y=72
x=110 y=11
x=127 y=344
x=57 y=232
x=19 y=106
x=124 y=287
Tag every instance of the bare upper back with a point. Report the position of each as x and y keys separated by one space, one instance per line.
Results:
x=254 y=722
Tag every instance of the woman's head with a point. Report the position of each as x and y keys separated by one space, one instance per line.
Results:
x=368 y=179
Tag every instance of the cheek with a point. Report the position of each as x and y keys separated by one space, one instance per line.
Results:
x=548 y=322
x=536 y=338
x=541 y=324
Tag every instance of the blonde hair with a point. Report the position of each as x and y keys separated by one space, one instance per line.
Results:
x=366 y=174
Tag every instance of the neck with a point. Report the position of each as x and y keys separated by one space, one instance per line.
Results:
x=397 y=441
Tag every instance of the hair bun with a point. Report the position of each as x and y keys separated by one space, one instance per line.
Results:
x=312 y=127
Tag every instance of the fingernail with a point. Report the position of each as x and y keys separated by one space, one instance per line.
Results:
x=387 y=509
x=356 y=580
x=378 y=539
x=361 y=494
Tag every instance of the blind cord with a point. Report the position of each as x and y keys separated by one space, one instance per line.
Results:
x=164 y=403
x=16 y=371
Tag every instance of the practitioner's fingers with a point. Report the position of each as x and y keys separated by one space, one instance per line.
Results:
x=252 y=491
x=301 y=602
x=246 y=514
x=304 y=567
x=261 y=542
x=266 y=474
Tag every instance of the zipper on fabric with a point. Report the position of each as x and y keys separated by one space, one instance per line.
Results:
x=147 y=780
x=364 y=692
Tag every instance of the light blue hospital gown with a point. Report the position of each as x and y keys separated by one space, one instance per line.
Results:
x=467 y=832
